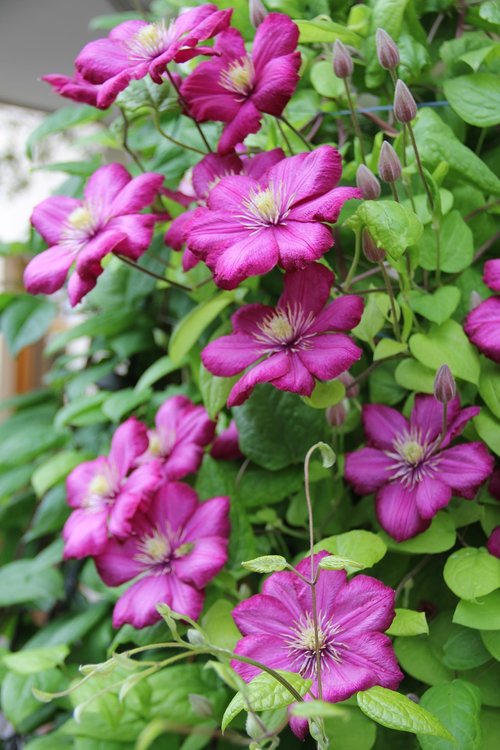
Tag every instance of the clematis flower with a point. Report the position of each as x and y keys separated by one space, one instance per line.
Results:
x=238 y=87
x=412 y=470
x=278 y=631
x=75 y=88
x=482 y=324
x=493 y=543
x=179 y=545
x=84 y=232
x=179 y=438
x=134 y=49
x=226 y=446
x=251 y=225
x=106 y=493
x=205 y=175
x=292 y=344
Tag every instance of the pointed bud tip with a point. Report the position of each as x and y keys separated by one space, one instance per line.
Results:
x=342 y=61
x=389 y=166
x=336 y=415
x=367 y=183
x=371 y=252
x=387 y=50
x=257 y=12
x=445 y=388
x=405 y=108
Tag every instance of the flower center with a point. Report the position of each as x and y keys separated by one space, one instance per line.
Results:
x=161 y=441
x=287 y=327
x=301 y=645
x=102 y=489
x=238 y=76
x=81 y=219
x=264 y=207
x=413 y=457
x=154 y=549
x=150 y=40
x=278 y=328
x=412 y=451
x=100 y=485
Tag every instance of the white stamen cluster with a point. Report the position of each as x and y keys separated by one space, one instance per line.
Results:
x=154 y=549
x=161 y=441
x=102 y=489
x=239 y=76
x=287 y=327
x=80 y=226
x=264 y=207
x=301 y=644
x=414 y=457
x=150 y=41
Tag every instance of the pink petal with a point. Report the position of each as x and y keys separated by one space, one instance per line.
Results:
x=186 y=600
x=231 y=354
x=286 y=587
x=427 y=414
x=103 y=59
x=126 y=30
x=456 y=424
x=298 y=379
x=367 y=470
x=263 y=614
x=78 y=287
x=308 y=288
x=276 y=84
x=271 y=368
x=129 y=441
x=363 y=604
x=117 y=562
x=343 y=314
x=465 y=467
x=137 y=606
x=226 y=445
x=76 y=88
x=139 y=193
x=245 y=121
x=211 y=169
x=88 y=262
x=203 y=563
x=491 y=275
x=308 y=175
x=330 y=355
x=50 y=216
x=277 y=35
x=172 y=506
x=325 y=207
x=47 y=271
x=202 y=23
x=122 y=513
x=103 y=187
x=211 y=232
x=206 y=98
x=138 y=232
x=493 y=543
x=382 y=425
x=431 y=496
x=264 y=649
x=78 y=481
x=209 y=519
x=249 y=318
x=482 y=325
x=300 y=244
x=253 y=255
x=85 y=533
x=228 y=196
x=397 y=512
x=183 y=460
x=257 y=166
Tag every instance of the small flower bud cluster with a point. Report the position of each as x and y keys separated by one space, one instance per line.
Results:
x=405 y=108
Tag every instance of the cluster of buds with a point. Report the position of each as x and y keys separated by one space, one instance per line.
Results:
x=405 y=108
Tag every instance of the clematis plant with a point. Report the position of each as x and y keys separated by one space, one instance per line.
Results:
x=238 y=88
x=178 y=546
x=83 y=232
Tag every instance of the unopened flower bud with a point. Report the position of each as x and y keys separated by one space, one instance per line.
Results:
x=367 y=183
x=387 y=50
x=342 y=61
x=475 y=300
x=201 y=705
x=405 y=108
x=336 y=415
x=351 y=387
x=389 y=166
x=257 y=12
x=372 y=253
x=445 y=388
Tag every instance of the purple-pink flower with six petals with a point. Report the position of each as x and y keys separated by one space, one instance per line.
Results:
x=178 y=546
x=410 y=465
x=278 y=630
x=301 y=339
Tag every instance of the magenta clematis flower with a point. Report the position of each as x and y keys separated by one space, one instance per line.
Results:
x=238 y=87
x=134 y=49
x=482 y=324
x=84 y=232
x=251 y=225
x=178 y=546
x=291 y=344
x=205 y=176
x=412 y=470
x=76 y=88
x=106 y=493
x=493 y=543
x=278 y=631
x=179 y=438
x=226 y=446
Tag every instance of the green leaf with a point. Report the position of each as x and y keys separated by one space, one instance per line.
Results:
x=456 y=246
x=325 y=394
x=489 y=386
x=482 y=614
x=447 y=344
x=439 y=537
x=364 y=547
x=396 y=711
x=265 y=693
x=335 y=562
x=490 y=11
x=326 y=31
x=457 y=704
x=437 y=307
x=187 y=332
x=82 y=411
x=106 y=324
x=26 y=320
x=33 y=660
x=219 y=625
x=214 y=391
x=490 y=726
x=488 y=429
x=420 y=659
x=408 y=622
x=28 y=581
x=464 y=649
x=373 y=318
x=437 y=143
x=487 y=679
x=413 y=376
x=471 y=572
x=266 y=564
x=476 y=98
x=276 y=429
x=491 y=639
x=325 y=82
x=158 y=370
x=62 y=120
x=391 y=225
x=123 y=402
x=55 y=469
x=388 y=348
